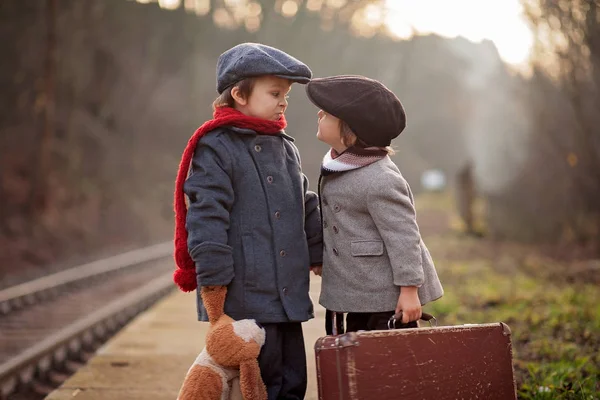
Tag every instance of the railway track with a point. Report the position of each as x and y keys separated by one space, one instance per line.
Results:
x=51 y=326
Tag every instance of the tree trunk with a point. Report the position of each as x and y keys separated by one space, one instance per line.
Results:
x=40 y=194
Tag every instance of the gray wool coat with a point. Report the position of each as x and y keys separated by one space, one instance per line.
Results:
x=372 y=241
x=253 y=225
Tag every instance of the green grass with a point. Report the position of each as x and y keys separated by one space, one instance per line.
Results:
x=555 y=325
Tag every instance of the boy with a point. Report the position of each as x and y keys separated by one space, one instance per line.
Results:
x=252 y=225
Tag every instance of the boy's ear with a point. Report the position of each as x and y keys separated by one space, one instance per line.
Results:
x=237 y=96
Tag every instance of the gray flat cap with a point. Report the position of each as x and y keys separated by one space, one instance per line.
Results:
x=253 y=59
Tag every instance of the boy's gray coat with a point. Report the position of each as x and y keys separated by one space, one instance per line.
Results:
x=253 y=225
x=372 y=241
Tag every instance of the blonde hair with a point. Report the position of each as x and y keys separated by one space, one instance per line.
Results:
x=349 y=139
x=225 y=99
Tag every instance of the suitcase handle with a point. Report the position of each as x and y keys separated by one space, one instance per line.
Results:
x=398 y=317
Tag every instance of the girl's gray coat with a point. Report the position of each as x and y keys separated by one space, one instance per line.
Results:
x=372 y=241
x=253 y=225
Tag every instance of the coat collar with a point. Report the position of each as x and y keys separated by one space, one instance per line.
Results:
x=245 y=131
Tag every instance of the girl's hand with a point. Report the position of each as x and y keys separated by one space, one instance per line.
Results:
x=409 y=304
x=317 y=270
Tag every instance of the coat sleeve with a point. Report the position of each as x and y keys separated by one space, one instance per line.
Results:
x=312 y=225
x=210 y=194
x=391 y=206
x=312 y=219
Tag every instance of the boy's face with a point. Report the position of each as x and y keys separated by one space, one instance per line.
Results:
x=268 y=99
x=329 y=131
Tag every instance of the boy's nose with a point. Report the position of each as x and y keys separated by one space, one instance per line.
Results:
x=320 y=113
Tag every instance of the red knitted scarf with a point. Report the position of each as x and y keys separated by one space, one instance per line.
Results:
x=185 y=274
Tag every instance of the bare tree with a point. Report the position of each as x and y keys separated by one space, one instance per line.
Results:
x=569 y=30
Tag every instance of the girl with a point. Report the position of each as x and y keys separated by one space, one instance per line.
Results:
x=375 y=263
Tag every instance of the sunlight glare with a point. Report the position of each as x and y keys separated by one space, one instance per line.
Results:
x=200 y=7
x=254 y=9
x=314 y=5
x=289 y=8
x=373 y=15
x=500 y=21
x=336 y=3
x=234 y=3
x=169 y=4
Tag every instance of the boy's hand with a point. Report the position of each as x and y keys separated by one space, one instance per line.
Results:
x=409 y=304
x=317 y=269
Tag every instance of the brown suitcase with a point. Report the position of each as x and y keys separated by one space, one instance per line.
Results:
x=437 y=363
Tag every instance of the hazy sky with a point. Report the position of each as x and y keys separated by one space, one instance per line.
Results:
x=498 y=20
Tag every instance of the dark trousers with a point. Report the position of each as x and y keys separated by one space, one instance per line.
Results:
x=363 y=322
x=282 y=361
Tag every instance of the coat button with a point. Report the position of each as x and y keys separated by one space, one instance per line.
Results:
x=335 y=229
x=257 y=148
x=325 y=224
x=282 y=253
x=337 y=208
x=285 y=291
x=270 y=179
x=324 y=201
x=277 y=214
x=336 y=252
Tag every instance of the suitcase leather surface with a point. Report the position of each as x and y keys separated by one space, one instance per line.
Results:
x=449 y=362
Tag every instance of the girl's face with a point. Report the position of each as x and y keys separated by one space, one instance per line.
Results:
x=268 y=99
x=329 y=131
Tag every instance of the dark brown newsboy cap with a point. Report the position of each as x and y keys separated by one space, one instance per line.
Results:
x=371 y=110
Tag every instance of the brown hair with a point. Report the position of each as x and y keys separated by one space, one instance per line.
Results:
x=225 y=99
x=349 y=139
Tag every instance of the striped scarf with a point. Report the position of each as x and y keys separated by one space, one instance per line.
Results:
x=351 y=158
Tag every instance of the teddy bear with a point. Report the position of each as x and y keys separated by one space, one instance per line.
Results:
x=230 y=354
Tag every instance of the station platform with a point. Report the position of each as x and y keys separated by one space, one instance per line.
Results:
x=149 y=358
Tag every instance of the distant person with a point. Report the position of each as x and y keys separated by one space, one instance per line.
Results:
x=251 y=224
x=465 y=195
x=375 y=263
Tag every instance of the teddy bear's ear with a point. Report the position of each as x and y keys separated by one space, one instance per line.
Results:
x=251 y=384
x=213 y=298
